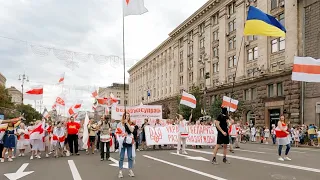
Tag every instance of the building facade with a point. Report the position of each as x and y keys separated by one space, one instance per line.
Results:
x=311 y=29
x=118 y=91
x=3 y=80
x=16 y=95
x=211 y=42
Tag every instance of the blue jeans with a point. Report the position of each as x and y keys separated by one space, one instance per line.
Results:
x=274 y=139
x=15 y=147
x=129 y=154
x=280 y=149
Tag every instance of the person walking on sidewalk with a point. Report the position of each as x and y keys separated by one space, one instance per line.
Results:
x=223 y=135
x=283 y=135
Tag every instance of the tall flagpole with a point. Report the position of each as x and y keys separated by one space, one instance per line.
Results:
x=124 y=61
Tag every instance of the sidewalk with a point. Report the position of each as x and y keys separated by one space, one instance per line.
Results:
x=300 y=146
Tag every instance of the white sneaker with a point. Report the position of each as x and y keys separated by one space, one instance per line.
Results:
x=31 y=158
x=280 y=159
x=120 y=174
x=184 y=152
x=117 y=150
x=10 y=159
x=38 y=156
x=47 y=155
x=138 y=149
x=2 y=160
x=22 y=154
x=287 y=159
x=13 y=157
x=178 y=152
x=131 y=174
x=19 y=155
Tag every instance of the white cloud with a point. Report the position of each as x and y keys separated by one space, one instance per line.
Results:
x=90 y=26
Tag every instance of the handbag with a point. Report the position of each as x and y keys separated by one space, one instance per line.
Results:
x=105 y=138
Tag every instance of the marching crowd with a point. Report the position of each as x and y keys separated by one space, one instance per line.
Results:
x=67 y=138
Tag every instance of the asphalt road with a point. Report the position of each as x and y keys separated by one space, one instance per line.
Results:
x=251 y=162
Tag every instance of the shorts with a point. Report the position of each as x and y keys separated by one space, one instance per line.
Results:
x=232 y=140
x=92 y=139
x=222 y=139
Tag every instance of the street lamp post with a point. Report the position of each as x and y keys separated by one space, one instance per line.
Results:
x=206 y=75
x=23 y=78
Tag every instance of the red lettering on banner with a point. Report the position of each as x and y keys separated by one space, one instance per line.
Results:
x=155 y=134
x=173 y=138
x=172 y=129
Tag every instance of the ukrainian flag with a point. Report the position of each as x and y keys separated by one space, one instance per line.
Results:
x=260 y=23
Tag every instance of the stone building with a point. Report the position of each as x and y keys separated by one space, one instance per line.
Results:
x=2 y=80
x=311 y=32
x=211 y=42
x=117 y=90
x=16 y=95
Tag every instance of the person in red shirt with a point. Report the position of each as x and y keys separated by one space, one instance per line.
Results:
x=73 y=129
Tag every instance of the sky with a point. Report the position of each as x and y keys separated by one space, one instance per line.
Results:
x=38 y=38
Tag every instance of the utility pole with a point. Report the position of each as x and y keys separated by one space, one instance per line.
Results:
x=23 y=78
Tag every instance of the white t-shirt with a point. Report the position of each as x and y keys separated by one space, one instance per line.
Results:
x=183 y=126
x=318 y=134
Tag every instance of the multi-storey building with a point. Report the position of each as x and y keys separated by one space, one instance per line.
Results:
x=117 y=90
x=211 y=42
x=2 y=80
x=16 y=95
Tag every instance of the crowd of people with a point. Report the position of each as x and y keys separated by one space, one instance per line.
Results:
x=66 y=138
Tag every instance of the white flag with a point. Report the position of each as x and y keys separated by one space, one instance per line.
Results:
x=134 y=7
x=85 y=137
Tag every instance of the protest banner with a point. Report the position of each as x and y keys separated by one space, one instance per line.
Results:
x=198 y=135
x=137 y=112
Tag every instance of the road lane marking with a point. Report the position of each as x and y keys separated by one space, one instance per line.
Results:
x=74 y=170
x=263 y=161
x=250 y=151
x=185 y=168
x=20 y=173
x=192 y=157
x=116 y=163
x=290 y=150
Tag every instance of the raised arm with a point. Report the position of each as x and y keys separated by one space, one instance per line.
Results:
x=190 y=118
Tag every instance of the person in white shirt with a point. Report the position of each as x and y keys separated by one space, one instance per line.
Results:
x=253 y=134
x=183 y=133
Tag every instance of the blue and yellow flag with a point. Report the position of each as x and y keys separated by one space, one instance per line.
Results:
x=260 y=23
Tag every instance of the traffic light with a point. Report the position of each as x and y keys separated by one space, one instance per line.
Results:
x=207 y=76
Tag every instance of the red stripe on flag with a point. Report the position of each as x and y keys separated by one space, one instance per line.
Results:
x=77 y=106
x=35 y=91
x=189 y=99
x=304 y=68
x=228 y=104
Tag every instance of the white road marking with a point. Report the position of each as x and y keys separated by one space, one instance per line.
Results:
x=19 y=174
x=250 y=151
x=74 y=170
x=290 y=150
x=116 y=163
x=192 y=157
x=185 y=168
x=263 y=161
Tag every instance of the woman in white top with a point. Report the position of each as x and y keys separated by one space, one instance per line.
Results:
x=266 y=134
x=23 y=139
x=183 y=133
x=126 y=143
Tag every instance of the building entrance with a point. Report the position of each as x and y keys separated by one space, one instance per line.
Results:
x=274 y=117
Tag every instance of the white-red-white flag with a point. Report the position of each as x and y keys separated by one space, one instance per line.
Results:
x=61 y=79
x=106 y=111
x=133 y=7
x=113 y=100
x=188 y=100
x=45 y=113
x=229 y=103
x=38 y=130
x=60 y=101
x=75 y=108
x=94 y=93
x=34 y=93
x=306 y=69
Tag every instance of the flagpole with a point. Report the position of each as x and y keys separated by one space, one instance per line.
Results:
x=235 y=74
x=124 y=63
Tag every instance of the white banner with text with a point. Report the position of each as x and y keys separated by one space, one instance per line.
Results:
x=198 y=135
x=137 y=112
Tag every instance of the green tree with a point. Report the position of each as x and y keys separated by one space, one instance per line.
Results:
x=29 y=112
x=6 y=106
x=216 y=108
x=185 y=111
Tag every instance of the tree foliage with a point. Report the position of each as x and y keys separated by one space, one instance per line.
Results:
x=216 y=108
x=185 y=111
x=29 y=112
